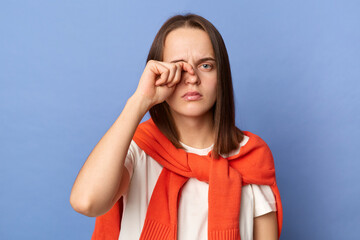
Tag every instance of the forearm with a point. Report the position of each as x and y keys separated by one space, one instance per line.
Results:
x=100 y=177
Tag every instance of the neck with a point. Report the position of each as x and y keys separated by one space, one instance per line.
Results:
x=196 y=132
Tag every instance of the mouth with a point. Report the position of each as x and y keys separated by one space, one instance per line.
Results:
x=192 y=96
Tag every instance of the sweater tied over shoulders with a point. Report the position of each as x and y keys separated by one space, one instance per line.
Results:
x=253 y=164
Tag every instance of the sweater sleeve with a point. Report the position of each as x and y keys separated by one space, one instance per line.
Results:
x=264 y=200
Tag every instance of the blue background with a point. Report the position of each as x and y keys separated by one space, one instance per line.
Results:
x=68 y=67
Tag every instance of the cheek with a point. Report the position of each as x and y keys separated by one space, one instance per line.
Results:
x=210 y=78
x=180 y=88
x=212 y=85
x=175 y=95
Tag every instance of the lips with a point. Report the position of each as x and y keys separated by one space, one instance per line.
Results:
x=190 y=96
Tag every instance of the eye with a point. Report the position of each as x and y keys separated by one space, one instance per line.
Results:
x=206 y=66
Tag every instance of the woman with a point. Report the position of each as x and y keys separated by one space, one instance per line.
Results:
x=181 y=174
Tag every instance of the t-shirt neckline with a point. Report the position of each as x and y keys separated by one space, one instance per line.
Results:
x=199 y=151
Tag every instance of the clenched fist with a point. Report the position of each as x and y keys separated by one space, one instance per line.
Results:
x=159 y=80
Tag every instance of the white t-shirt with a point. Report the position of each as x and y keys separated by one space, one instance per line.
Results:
x=144 y=171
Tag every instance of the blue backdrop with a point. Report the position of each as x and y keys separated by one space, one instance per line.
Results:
x=68 y=67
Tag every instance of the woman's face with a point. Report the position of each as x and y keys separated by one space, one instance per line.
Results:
x=194 y=47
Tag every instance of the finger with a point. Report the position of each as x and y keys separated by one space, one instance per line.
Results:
x=187 y=67
x=173 y=67
x=177 y=76
x=162 y=72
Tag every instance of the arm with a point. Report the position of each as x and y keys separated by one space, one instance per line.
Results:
x=265 y=227
x=103 y=178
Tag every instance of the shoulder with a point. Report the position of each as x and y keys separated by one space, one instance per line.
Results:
x=134 y=154
x=250 y=143
x=135 y=151
x=255 y=139
x=258 y=149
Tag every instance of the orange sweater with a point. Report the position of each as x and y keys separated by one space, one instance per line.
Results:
x=252 y=165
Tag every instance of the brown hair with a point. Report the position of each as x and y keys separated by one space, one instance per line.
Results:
x=227 y=135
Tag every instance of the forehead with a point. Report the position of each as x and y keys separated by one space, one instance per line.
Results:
x=186 y=43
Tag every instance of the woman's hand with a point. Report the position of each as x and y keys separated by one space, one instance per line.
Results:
x=159 y=80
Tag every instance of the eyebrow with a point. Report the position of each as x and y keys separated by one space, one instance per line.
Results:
x=200 y=60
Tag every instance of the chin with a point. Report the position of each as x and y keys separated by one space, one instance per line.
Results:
x=190 y=112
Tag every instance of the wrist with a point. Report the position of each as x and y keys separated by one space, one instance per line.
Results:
x=139 y=103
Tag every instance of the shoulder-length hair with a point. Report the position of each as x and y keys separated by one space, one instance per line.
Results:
x=227 y=135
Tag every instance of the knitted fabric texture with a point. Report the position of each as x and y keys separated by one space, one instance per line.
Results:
x=253 y=164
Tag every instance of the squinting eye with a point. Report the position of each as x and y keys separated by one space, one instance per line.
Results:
x=209 y=66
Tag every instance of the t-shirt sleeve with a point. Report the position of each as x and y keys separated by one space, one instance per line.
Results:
x=264 y=200
x=130 y=158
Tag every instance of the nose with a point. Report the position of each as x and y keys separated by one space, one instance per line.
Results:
x=192 y=78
